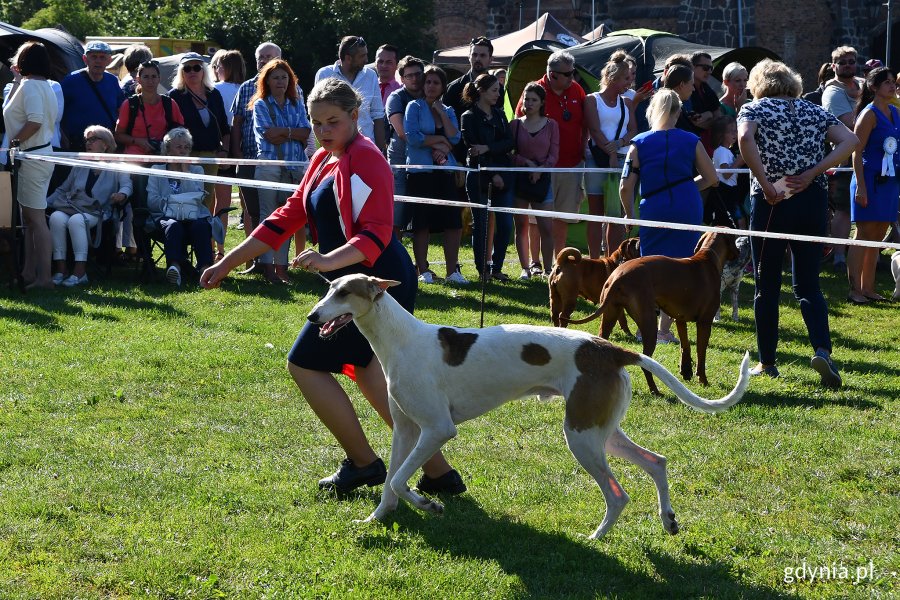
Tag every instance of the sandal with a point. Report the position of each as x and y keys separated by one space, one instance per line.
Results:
x=218 y=256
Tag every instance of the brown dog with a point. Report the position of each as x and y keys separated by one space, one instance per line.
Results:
x=574 y=275
x=686 y=289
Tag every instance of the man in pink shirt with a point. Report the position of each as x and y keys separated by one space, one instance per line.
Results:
x=386 y=58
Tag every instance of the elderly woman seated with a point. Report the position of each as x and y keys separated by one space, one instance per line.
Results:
x=80 y=204
x=176 y=207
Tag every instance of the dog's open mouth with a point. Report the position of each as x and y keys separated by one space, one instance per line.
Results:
x=331 y=327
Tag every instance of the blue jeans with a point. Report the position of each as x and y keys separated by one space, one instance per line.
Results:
x=503 y=222
x=804 y=214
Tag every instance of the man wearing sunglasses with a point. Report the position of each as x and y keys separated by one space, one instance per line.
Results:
x=704 y=101
x=565 y=105
x=839 y=98
x=353 y=54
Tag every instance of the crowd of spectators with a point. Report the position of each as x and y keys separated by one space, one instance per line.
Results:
x=419 y=119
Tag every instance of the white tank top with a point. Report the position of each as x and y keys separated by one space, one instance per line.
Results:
x=610 y=117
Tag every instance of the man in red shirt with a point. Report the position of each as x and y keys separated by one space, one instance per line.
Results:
x=565 y=105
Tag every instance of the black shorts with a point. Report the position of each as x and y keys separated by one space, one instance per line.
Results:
x=839 y=191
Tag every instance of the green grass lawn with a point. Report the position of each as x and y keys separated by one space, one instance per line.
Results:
x=152 y=445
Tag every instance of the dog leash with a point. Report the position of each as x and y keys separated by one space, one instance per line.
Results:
x=762 y=246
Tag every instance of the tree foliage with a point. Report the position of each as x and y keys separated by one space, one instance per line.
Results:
x=308 y=31
x=71 y=15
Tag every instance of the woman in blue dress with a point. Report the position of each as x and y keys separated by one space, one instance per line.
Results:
x=664 y=160
x=874 y=187
x=347 y=197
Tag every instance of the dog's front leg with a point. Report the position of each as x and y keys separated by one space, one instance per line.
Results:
x=431 y=438
x=687 y=369
x=404 y=436
x=734 y=300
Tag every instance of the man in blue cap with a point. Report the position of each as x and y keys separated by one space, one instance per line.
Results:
x=92 y=96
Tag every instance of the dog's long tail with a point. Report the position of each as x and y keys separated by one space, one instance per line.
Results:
x=588 y=318
x=689 y=397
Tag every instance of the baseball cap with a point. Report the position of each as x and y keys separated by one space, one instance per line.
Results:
x=190 y=57
x=872 y=64
x=97 y=46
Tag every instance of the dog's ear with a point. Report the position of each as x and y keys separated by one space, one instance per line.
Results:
x=702 y=241
x=378 y=286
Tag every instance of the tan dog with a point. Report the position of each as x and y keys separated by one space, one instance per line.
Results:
x=686 y=289
x=574 y=275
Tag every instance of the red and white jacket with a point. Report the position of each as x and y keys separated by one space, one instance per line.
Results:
x=364 y=189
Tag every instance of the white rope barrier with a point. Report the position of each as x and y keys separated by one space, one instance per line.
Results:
x=63 y=158
x=137 y=170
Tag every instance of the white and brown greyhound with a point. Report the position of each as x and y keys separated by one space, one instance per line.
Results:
x=440 y=376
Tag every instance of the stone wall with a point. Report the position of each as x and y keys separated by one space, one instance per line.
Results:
x=802 y=32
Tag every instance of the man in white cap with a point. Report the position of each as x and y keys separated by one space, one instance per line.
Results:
x=92 y=96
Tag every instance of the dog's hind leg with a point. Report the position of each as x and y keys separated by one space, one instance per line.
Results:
x=588 y=448
x=735 y=293
x=431 y=438
x=645 y=319
x=619 y=444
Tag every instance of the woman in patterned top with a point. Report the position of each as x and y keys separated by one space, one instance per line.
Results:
x=781 y=139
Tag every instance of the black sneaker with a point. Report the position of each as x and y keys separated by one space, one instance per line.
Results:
x=448 y=483
x=823 y=365
x=348 y=477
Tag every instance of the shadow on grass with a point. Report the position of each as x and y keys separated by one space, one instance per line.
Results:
x=35 y=316
x=551 y=565
x=513 y=300
x=788 y=397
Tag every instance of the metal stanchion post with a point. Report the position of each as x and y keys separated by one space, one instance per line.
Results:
x=485 y=275
x=16 y=220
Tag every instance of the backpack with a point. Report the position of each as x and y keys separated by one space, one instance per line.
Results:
x=134 y=104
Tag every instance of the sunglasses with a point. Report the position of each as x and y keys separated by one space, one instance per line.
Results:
x=357 y=43
x=415 y=75
x=192 y=68
x=706 y=68
x=150 y=63
x=564 y=73
x=849 y=61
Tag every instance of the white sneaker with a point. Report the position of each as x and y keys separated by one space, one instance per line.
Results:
x=457 y=277
x=173 y=275
x=57 y=278
x=525 y=275
x=426 y=277
x=73 y=280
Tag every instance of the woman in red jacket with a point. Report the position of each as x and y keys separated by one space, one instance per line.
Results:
x=350 y=168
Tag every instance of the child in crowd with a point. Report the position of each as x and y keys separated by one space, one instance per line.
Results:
x=724 y=137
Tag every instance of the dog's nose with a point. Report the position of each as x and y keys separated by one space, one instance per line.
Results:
x=313 y=317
